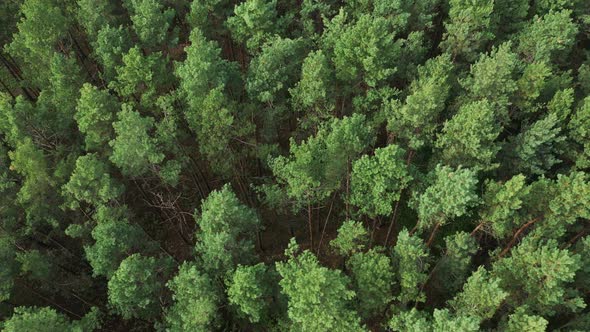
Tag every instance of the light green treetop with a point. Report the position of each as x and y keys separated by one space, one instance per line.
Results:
x=226 y=232
x=136 y=286
x=196 y=301
x=134 y=150
x=377 y=181
x=451 y=193
x=352 y=238
x=318 y=298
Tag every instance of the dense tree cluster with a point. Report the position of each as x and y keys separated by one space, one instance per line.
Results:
x=280 y=165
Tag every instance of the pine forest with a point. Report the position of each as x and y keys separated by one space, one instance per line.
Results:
x=295 y=165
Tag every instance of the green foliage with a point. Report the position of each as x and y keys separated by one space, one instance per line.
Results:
x=468 y=29
x=275 y=70
x=531 y=84
x=481 y=296
x=134 y=150
x=521 y=321
x=91 y=182
x=35 y=265
x=8 y=269
x=569 y=203
x=440 y=321
x=508 y=16
x=135 y=288
x=580 y=131
x=315 y=167
x=450 y=195
x=115 y=239
x=352 y=238
x=377 y=181
x=561 y=104
x=318 y=298
x=313 y=95
x=37 y=190
x=93 y=16
x=254 y=22
x=202 y=70
x=535 y=149
x=150 y=20
x=110 y=46
x=444 y=321
x=94 y=114
x=536 y=275
x=42 y=26
x=468 y=138
x=372 y=280
x=211 y=114
x=501 y=205
x=216 y=124
x=416 y=119
x=140 y=76
x=196 y=301
x=547 y=38
x=411 y=257
x=251 y=291
x=48 y=320
x=226 y=232
x=410 y=321
x=491 y=78
x=467 y=121
x=60 y=97
x=365 y=51
x=455 y=265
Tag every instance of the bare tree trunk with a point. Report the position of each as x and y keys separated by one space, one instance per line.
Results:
x=310 y=223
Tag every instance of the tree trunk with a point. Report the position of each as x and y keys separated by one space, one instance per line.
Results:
x=310 y=223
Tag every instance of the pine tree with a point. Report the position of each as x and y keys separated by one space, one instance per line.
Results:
x=226 y=232
x=134 y=150
x=94 y=114
x=91 y=183
x=196 y=301
x=254 y=22
x=468 y=138
x=468 y=28
x=47 y=319
x=151 y=21
x=537 y=274
x=372 y=280
x=481 y=296
x=352 y=238
x=416 y=120
x=377 y=181
x=318 y=298
x=411 y=257
x=135 y=287
x=252 y=290
x=450 y=195
x=114 y=239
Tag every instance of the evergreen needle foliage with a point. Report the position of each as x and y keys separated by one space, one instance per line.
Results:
x=282 y=165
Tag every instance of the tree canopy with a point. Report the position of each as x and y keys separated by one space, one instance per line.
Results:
x=282 y=165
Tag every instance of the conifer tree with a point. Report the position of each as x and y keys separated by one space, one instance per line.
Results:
x=226 y=232
x=136 y=286
x=318 y=298
x=196 y=301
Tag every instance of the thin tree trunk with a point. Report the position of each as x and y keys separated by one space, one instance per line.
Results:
x=516 y=235
x=433 y=234
x=392 y=222
x=309 y=223
x=394 y=217
x=6 y=88
x=52 y=302
x=325 y=224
